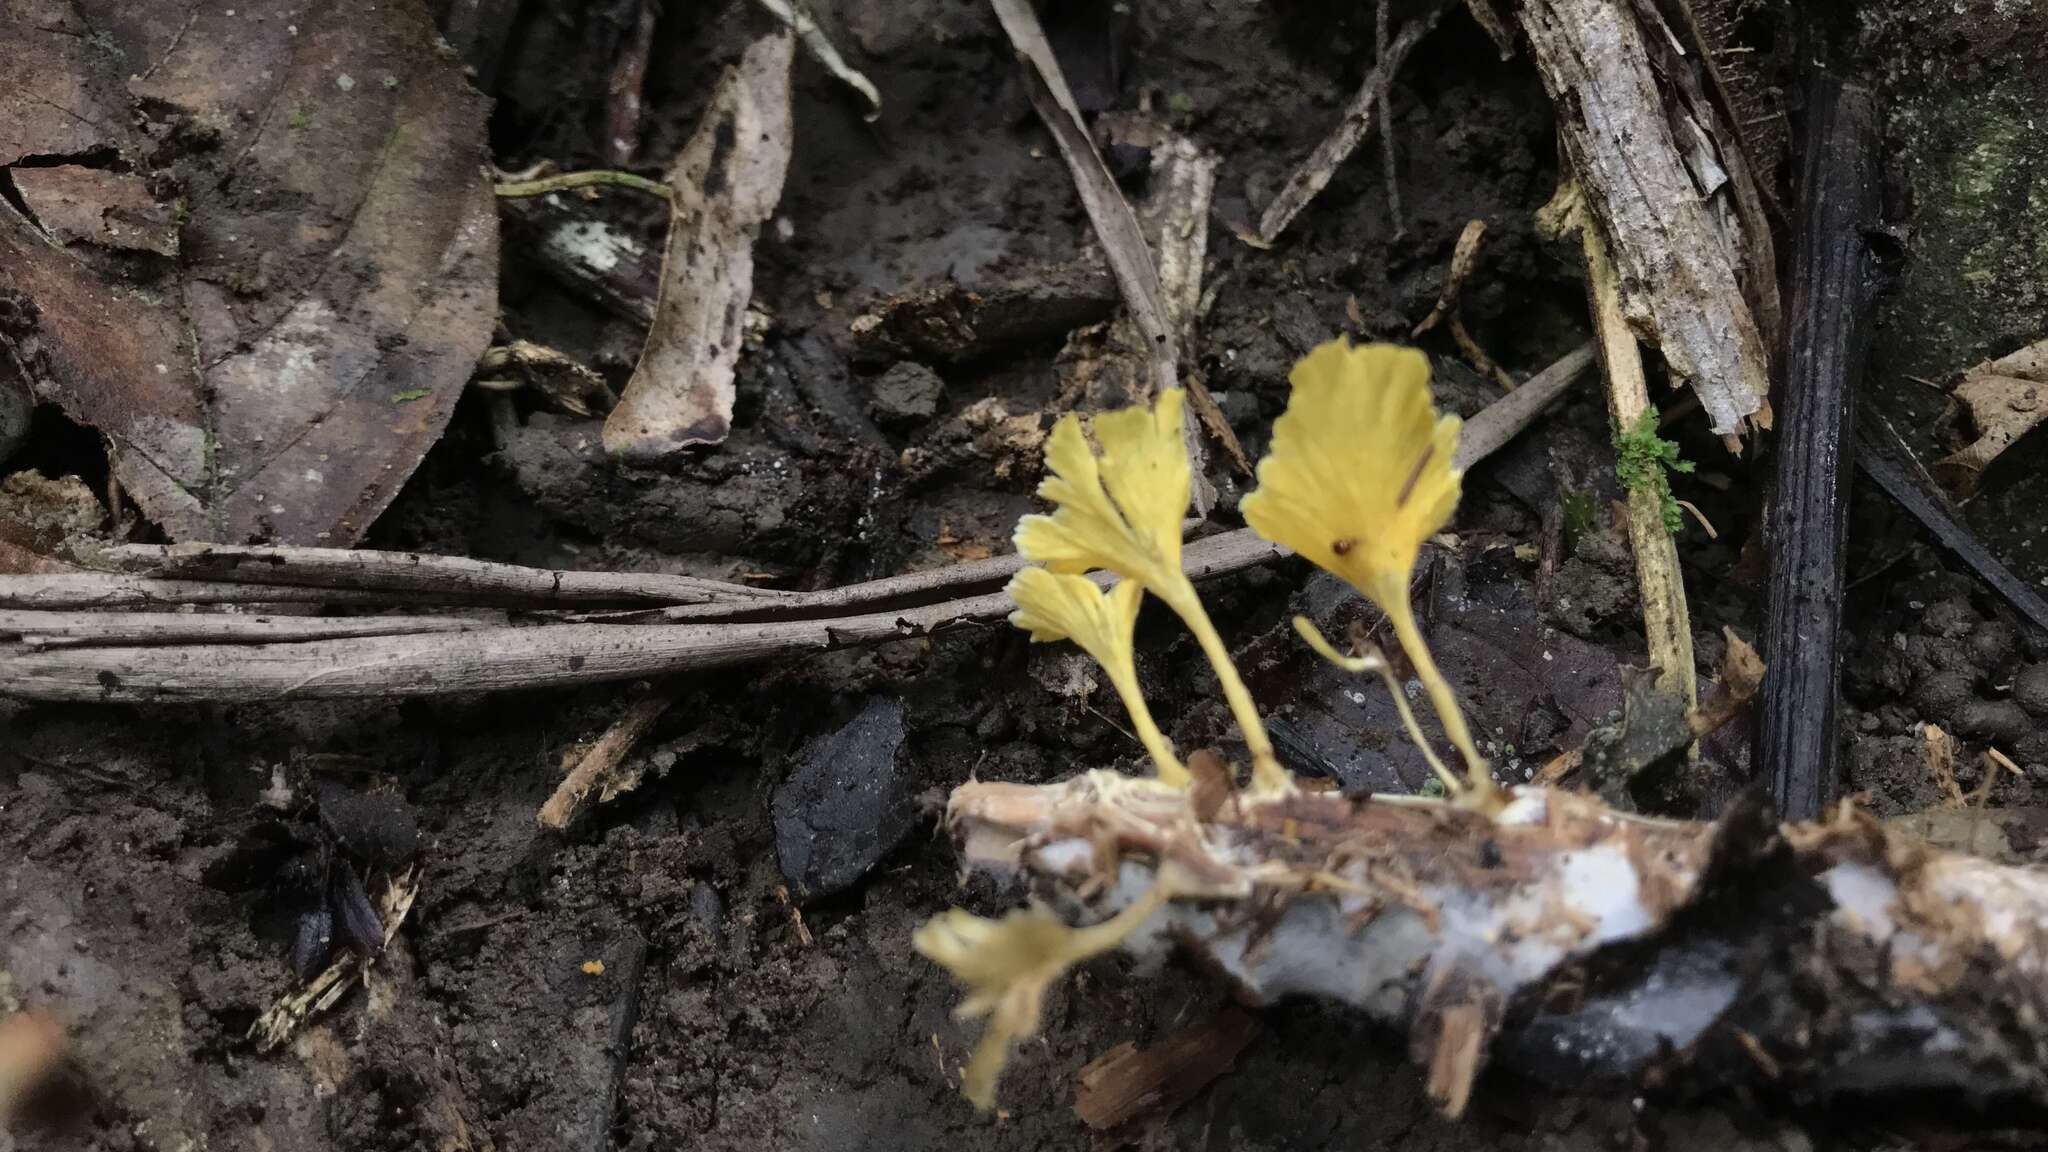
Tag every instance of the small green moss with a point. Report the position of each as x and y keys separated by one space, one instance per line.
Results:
x=1432 y=788
x=298 y=118
x=1642 y=461
x=410 y=395
x=1180 y=103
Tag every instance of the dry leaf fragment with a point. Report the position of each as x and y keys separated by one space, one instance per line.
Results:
x=726 y=183
x=111 y=209
x=338 y=249
x=2006 y=399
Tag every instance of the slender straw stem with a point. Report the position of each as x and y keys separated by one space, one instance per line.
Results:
x=1402 y=617
x=1267 y=774
x=1452 y=784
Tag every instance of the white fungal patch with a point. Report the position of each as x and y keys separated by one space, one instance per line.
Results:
x=1600 y=883
x=594 y=244
x=1530 y=806
x=1864 y=897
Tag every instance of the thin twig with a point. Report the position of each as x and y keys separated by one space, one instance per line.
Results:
x=1381 y=43
x=1116 y=225
x=1880 y=459
x=1314 y=173
x=590 y=178
x=1463 y=257
x=622 y=111
x=820 y=47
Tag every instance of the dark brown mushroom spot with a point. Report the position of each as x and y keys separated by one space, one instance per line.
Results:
x=1414 y=475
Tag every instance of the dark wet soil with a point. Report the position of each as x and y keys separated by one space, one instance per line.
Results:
x=674 y=972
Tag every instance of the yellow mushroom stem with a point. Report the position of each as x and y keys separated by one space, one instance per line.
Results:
x=1402 y=617
x=1171 y=770
x=1179 y=595
x=1372 y=661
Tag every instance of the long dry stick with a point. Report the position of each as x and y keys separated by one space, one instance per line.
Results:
x=425 y=578
x=733 y=625
x=45 y=630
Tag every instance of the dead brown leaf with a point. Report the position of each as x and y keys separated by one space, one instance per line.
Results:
x=726 y=183
x=2006 y=399
x=336 y=275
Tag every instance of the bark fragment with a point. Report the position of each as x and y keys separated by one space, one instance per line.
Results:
x=1680 y=289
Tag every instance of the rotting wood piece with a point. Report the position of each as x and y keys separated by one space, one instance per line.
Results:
x=603 y=758
x=1678 y=276
x=1832 y=287
x=1577 y=945
x=1128 y=1081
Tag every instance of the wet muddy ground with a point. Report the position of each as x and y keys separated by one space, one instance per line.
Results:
x=721 y=959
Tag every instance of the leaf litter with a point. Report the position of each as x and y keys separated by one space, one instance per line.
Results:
x=335 y=248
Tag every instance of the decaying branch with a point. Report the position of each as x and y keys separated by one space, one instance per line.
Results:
x=1570 y=942
x=1833 y=286
x=1677 y=264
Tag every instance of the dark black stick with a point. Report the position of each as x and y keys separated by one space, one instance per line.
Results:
x=1831 y=285
x=1881 y=458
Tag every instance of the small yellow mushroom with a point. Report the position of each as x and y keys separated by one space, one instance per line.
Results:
x=1060 y=606
x=1121 y=511
x=1359 y=474
x=1008 y=964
